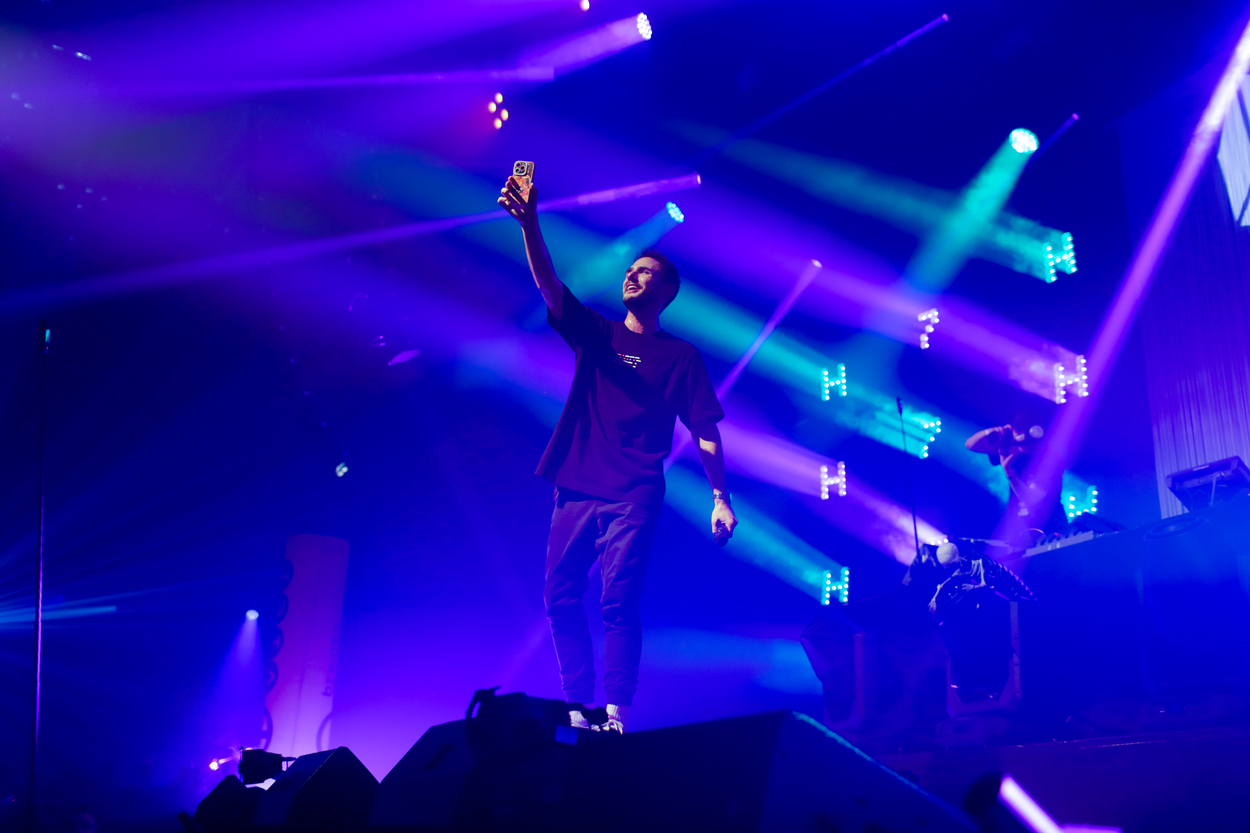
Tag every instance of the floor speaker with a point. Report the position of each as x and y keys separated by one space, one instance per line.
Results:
x=229 y=807
x=327 y=792
x=779 y=771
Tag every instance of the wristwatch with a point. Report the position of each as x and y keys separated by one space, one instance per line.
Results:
x=719 y=495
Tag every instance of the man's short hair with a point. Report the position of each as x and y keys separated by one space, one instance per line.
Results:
x=667 y=267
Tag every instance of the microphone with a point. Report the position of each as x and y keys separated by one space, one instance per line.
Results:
x=1005 y=437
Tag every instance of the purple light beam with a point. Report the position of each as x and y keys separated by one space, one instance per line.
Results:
x=1060 y=446
x=722 y=390
x=1023 y=807
x=185 y=271
x=410 y=79
x=787 y=303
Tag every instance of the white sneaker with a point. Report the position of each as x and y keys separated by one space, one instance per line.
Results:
x=578 y=720
x=616 y=719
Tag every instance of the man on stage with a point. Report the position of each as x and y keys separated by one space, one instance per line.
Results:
x=606 y=457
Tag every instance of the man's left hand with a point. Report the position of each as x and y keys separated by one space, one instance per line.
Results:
x=723 y=516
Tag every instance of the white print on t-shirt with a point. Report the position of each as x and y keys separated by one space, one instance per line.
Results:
x=632 y=361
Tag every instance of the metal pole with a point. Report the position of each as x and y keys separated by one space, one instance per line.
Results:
x=911 y=483
x=32 y=816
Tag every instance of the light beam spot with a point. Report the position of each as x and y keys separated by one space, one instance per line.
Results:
x=644 y=26
x=1023 y=141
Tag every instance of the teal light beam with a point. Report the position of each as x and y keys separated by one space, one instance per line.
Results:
x=597 y=275
x=1010 y=240
x=948 y=247
x=759 y=541
x=722 y=329
x=24 y=617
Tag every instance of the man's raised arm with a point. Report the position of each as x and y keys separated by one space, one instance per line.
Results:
x=526 y=213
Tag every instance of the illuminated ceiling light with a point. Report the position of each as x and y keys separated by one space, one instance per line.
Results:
x=503 y=114
x=585 y=5
x=498 y=123
x=1023 y=141
x=252 y=615
x=675 y=213
x=644 y=26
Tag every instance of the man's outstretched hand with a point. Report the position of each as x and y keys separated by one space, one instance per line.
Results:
x=526 y=211
x=723 y=522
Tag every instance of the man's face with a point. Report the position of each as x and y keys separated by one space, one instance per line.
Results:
x=645 y=284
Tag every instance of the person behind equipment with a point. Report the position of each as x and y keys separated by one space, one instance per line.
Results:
x=1012 y=447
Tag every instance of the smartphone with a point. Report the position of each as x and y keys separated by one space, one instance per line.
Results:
x=524 y=173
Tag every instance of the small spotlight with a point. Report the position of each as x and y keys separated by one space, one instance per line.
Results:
x=585 y=5
x=644 y=26
x=499 y=98
x=503 y=114
x=492 y=107
x=675 y=213
x=252 y=615
x=212 y=765
x=498 y=123
x=341 y=468
x=1023 y=141
x=816 y=263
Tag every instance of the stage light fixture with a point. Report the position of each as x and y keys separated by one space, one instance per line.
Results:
x=840 y=588
x=503 y=114
x=929 y=318
x=252 y=615
x=1062 y=258
x=492 y=107
x=340 y=470
x=836 y=381
x=675 y=212
x=1079 y=501
x=838 y=480
x=1076 y=379
x=498 y=123
x=1023 y=141
x=499 y=98
x=644 y=26
x=585 y=5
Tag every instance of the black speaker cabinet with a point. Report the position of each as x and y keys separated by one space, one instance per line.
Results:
x=329 y=792
x=228 y=808
x=779 y=771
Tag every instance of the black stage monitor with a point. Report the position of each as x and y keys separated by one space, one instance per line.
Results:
x=1205 y=485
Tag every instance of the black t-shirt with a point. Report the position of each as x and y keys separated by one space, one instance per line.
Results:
x=617 y=425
